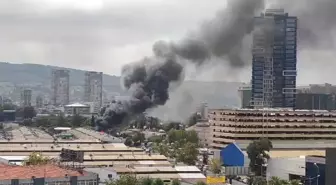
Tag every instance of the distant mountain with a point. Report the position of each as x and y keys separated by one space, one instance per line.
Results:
x=35 y=73
x=216 y=94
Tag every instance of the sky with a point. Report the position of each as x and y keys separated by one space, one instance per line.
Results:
x=104 y=35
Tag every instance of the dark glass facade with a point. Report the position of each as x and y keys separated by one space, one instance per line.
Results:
x=274 y=72
x=315 y=101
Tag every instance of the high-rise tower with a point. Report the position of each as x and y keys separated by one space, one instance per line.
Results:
x=60 y=87
x=274 y=60
x=93 y=88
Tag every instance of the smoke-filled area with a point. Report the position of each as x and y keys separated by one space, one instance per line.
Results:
x=317 y=22
x=149 y=80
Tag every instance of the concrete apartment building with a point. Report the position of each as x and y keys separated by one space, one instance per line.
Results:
x=60 y=87
x=93 y=89
x=287 y=129
x=274 y=60
x=26 y=96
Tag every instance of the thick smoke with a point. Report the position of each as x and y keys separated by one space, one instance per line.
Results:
x=317 y=23
x=149 y=79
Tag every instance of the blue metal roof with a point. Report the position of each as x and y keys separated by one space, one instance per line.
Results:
x=232 y=155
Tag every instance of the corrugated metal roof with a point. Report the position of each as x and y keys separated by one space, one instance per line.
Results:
x=187 y=168
x=14 y=158
x=191 y=176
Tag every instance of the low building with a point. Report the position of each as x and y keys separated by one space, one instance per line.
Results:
x=279 y=125
x=315 y=101
x=77 y=108
x=44 y=175
x=188 y=174
x=287 y=168
x=245 y=94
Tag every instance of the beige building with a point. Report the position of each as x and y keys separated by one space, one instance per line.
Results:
x=287 y=128
x=202 y=128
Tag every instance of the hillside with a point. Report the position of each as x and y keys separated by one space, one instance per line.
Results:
x=35 y=73
x=216 y=94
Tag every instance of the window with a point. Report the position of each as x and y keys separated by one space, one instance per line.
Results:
x=290 y=51
x=290 y=47
x=291 y=20
x=290 y=29
x=292 y=34
x=290 y=38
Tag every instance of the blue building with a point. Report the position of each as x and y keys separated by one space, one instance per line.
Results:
x=274 y=60
x=7 y=115
x=232 y=155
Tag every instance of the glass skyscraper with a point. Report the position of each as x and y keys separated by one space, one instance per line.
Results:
x=274 y=60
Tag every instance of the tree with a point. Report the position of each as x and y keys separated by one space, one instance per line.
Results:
x=200 y=183
x=172 y=125
x=278 y=181
x=29 y=112
x=76 y=120
x=175 y=182
x=258 y=180
x=138 y=138
x=257 y=153
x=27 y=122
x=128 y=141
x=146 y=181
x=162 y=149
x=36 y=159
x=188 y=154
x=158 y=182
x=215 y=166
x=156 y=139
x=61 y=121
x=124 y=180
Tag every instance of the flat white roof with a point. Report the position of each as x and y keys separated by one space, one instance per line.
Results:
x=62 y=128
x=14 y=158
x=187 y=168
x=77 y=105
x=191 y=176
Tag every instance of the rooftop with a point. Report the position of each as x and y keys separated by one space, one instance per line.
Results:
x=26 y=172
x=76 y=105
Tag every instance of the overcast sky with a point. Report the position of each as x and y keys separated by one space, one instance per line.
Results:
x=103 y=35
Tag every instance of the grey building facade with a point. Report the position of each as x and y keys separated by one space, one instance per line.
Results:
x=26 y=96
x=93 y=88
x=60 y=87
x=245 y=95
x=274 y=60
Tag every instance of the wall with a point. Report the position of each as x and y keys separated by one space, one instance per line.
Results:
x=330 y=166
x=282 y=167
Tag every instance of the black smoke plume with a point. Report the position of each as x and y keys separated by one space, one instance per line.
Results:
x=149 y=79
